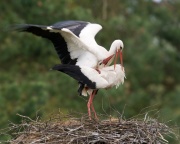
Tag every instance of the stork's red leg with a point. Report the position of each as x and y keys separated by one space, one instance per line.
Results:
x=89 y=105
x=92 y=106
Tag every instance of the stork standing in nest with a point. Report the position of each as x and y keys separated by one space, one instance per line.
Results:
x=81 y=57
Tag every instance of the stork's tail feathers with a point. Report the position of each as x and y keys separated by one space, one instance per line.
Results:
x=81 y=88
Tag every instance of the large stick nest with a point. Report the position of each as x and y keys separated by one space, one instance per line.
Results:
x=67 y=129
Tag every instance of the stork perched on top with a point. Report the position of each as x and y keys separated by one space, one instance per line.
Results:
x=75 y=44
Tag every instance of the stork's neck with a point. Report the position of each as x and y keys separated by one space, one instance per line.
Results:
x=113 y=48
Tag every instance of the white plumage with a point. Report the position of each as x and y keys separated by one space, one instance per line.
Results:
x=107 y=78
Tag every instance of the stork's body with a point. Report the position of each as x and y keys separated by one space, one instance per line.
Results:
x=93 y=80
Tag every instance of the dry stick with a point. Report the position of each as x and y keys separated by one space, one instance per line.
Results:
x=71 y=130
x=26 y=117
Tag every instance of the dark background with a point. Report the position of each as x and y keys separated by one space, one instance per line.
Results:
x=151 y=34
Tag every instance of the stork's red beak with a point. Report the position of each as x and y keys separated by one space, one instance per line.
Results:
x=105 y=61
x=121 y=59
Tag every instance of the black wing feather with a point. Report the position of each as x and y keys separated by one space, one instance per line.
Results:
x=74 y=26
x=56 y=38
x=75 y=72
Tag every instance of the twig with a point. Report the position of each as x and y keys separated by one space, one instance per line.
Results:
x=26 y=117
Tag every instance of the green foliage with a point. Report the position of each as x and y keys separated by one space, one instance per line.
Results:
x=150 y=32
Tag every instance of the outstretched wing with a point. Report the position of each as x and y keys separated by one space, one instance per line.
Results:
x=72 y=40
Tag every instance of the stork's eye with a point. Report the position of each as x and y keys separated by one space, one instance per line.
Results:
x=121 y=48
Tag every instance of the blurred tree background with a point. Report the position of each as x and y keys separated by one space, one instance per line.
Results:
x=149 y=29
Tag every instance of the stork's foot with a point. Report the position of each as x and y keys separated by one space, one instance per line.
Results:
x=95 y=115
x=91 y=107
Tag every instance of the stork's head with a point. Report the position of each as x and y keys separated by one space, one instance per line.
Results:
x=115 y=49
x=117 y=45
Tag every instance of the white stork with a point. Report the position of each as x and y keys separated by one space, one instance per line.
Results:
x=93 y=80
x=75 y=44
